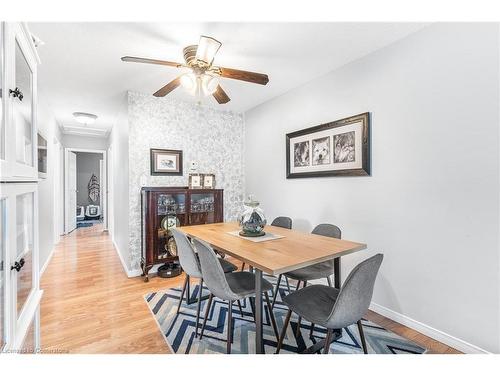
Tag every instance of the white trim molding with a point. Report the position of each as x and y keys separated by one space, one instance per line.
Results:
x=85 y=131
x=434 y=333
x=49 y=258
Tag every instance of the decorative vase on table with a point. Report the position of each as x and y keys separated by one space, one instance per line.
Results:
x=252 y=221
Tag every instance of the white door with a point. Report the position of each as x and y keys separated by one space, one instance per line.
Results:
x=71 y=191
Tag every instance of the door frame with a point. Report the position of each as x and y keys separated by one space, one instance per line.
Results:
x=111 y=215
x=58 y=190
x=103 y=189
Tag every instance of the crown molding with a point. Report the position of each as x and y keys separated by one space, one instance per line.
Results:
x=85 y=131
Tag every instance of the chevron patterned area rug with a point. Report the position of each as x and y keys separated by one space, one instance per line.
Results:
x=178 y=330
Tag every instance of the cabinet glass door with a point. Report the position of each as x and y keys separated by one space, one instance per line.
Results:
x=202 y=208
x=171 y=212
x=23 y=110
x=24 y=254
x=2 y=91
x=3 y=274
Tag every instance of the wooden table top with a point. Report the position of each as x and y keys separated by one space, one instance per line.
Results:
x=277 y=256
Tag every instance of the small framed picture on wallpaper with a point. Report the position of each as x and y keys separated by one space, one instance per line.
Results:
x=208 y=181
x=338 y=148
x=195 y=180
x=166 y=162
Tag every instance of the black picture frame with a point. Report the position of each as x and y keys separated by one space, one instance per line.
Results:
x=365 y=169
x=156 y=171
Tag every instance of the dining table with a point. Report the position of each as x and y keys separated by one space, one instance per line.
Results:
x=285 y=250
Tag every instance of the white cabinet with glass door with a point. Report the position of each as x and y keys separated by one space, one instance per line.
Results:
x=20 y=271
x=19 y=266
x=18 y=143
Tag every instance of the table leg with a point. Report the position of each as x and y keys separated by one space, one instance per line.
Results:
x=337 y=283
x=336 y=273
x=259 y=343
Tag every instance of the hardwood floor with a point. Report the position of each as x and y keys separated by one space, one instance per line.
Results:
x=91 y=306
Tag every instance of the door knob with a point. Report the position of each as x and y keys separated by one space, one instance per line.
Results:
x=18 y=265
x=16 y=93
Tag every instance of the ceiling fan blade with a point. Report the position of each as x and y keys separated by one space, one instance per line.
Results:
x=243 y=75
x=221 y=96
x=172 y=85
x=150 y=61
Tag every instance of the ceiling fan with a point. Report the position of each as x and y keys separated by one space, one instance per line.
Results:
x=200 y=76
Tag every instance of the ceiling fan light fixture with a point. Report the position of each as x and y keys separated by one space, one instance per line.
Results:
x=188 y=81
x=207 y=48
x=209 y=84
x=84 y=118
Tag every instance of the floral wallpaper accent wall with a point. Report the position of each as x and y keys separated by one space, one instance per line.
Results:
x=211 y=137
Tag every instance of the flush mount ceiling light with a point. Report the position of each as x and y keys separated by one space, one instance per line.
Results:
x=84 y=118
x=200 y=76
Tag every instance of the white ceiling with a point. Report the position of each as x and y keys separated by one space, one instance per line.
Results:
x=81 y=68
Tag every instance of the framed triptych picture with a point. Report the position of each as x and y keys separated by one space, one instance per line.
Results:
x=338 y=148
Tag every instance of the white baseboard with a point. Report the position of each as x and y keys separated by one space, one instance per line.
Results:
x=130 y=273
x=49 y=258
x=434 y=333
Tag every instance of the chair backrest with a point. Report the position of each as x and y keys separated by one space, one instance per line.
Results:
x=212 y=272
x=187 y=257
x=283 y=222
x=356 y=294
x=328 y=230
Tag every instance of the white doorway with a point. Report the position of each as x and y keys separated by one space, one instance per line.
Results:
x=58 y=191
x=71 y=192
x=74 y=190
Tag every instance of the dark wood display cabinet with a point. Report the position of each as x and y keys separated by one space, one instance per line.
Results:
x=165 y=207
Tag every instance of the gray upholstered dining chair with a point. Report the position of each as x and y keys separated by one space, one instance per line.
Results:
x=228 y=287
x=282 y=222
x=333 y=308
x=315 y=271
x=190 y=264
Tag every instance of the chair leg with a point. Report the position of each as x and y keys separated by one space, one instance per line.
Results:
x=243 y=266
x=239 y=306
x=229 y=325
x=283 y=331
x=288 y=285
x=271 y=316
x=276 y=290
x=209 y=304
x=297 y=286
x=182 y=295
x=362 y=335
x=188 y=289
x=329 y=281
x=198 y=308
x=299 y=321
x=328 y=340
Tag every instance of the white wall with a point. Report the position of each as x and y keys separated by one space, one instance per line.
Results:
x=431 y=204
x=80 y=141
x=49 y=129
x=118 y=140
